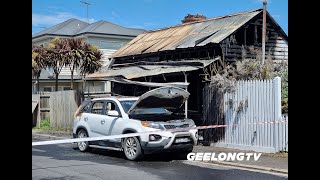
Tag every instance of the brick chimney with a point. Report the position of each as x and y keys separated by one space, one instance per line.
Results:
x=193 y=18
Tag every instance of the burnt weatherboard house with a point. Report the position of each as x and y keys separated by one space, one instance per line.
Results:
x=179 y=54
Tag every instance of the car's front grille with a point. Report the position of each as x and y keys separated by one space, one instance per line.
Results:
x=169 y=126
x=176 y=126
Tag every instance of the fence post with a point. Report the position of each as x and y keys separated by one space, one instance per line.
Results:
x=277 y=110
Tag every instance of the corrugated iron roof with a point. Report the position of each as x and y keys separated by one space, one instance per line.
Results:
x=136 y=71
x=187 y=35
x=121 y=80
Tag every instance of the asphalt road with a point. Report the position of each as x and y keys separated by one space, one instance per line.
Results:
x=65 y=161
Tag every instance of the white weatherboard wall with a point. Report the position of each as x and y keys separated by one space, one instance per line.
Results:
x=98 y=86
x=101 y=86
x=255 y=101
x=106 y=54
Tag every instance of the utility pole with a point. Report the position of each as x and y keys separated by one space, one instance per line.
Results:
x=264 y=27
x=87 y=4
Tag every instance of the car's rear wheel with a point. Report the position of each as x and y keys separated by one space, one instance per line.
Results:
x=83 y=146
x=132 y=148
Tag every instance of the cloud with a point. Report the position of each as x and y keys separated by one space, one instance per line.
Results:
x=115 y=14
x=55 y=18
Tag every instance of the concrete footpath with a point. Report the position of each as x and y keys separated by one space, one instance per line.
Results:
x=272 y=162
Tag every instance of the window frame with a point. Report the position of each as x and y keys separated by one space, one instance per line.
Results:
x=51 y=89
x=102 y=109
x=116 y=107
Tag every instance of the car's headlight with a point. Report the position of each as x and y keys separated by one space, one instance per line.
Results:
x=151 y=125
x=192 y=124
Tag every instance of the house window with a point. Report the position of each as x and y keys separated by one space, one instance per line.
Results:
x=93 y=42
x=43 y=44
x=102 y=44
x=47 y=89
x=259 y=35
x=249 y=35
x=110 y=44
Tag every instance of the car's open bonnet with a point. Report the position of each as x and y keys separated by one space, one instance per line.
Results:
x=167 y=97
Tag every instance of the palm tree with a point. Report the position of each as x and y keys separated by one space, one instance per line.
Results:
x=57 y=51
x=75 y=55
x=38 y=62
x=82 y=55
x=91 y=61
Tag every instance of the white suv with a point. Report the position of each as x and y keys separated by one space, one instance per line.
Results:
x=158 y=109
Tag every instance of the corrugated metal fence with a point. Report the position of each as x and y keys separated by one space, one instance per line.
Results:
x=255 y=101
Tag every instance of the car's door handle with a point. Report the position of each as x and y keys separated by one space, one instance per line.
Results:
x=85 y=119
x=103 y=121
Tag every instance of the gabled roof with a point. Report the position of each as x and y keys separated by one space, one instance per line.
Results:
x=74 y=27
x=105 y=27
x=67 y=28
x=187 y=35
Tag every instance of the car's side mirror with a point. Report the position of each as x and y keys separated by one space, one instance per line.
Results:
x=113 y=113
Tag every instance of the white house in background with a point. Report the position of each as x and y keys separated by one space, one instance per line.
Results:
x=108 y=37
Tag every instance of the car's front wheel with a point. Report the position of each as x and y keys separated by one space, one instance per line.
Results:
x=132 y=148
x=83 y=146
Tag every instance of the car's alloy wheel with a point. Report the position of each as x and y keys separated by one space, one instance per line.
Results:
x=132 y=148
x=83 y=146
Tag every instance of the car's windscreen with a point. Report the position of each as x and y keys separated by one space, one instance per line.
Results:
x=152 y=111
x=127 y=104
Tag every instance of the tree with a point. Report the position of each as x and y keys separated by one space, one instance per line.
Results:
x=56 y=56
x=72 y=52
x=82 y=55
x=38 y=62
x=91 y=61
x=75 y=55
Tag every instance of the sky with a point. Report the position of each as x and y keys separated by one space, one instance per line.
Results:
x=146 y=14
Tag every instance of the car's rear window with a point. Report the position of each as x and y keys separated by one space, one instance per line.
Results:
x=84 y=107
